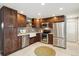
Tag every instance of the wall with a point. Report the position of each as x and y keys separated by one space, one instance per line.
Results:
x=73 y=29
x=78 y=30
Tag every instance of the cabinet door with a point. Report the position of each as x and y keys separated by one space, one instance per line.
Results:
x=10 y=40
x=50 y=25
x=19 y=42
x=10 y=17
x=50 y=38
x=21 y=20
x=32 y=40
x=38 y=37
x=7 y=42
x=36 y=23
x=14 y=38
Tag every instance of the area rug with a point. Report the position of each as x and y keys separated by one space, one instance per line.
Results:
x=44 y=51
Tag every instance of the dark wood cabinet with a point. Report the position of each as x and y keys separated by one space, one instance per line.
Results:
x=19 y=42
x=21 y=20
x=36 y=22
x=8 y=34
x=50 y=38
x=9 y=17
x=10 y=40
x=57 y=19
x=7 y=42
x=50 y=25
x=38 y=37
x=50 y=20
x=32 y=40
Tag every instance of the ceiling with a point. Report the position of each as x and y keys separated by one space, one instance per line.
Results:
x=48 y=10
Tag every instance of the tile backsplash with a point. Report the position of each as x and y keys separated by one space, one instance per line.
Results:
x=22 y=30
x=26 y=29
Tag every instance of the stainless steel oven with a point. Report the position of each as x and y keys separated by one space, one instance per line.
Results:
x=45 y=36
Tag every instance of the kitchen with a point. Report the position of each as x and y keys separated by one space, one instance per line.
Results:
x=17 y=32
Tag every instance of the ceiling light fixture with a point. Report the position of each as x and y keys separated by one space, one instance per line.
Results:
x=39 y=14
x=71 y=16
x=21 y=12
x=42 y=3
x=53 y=15
x=60 y=8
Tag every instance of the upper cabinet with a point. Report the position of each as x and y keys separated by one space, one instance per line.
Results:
x=49 y=20
x=10 y=16
x=57 y=19
x=36 y=22
x=21 y=20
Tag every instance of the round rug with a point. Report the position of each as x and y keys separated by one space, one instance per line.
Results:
x=44 y=51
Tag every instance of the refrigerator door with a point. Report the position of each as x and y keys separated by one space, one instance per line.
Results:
x=59 y=35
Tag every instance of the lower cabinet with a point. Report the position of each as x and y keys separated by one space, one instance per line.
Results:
x=14 y=43
x=38 y=37
x=50 y=38
x=10 y=42
x=32 y=40
x=19 y=42
x=24 y=41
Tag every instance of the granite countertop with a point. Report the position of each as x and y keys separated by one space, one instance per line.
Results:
x=31 y=34
x=50 y=33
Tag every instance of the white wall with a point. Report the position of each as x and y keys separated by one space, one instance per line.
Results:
x=78 y=30
x=72 y=29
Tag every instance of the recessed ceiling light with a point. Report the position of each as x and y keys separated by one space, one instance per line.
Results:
x=20 y=12
x=71 y=16
x=53 y=15
x=39 y=14
x=42 y=3
x=60 y=8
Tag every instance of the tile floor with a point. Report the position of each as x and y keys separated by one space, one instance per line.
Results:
x=72 y=50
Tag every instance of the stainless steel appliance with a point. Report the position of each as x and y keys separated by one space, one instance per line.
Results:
x=25 y=41
x=45 y=36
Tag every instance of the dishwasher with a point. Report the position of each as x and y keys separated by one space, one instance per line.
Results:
x=25 y=41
